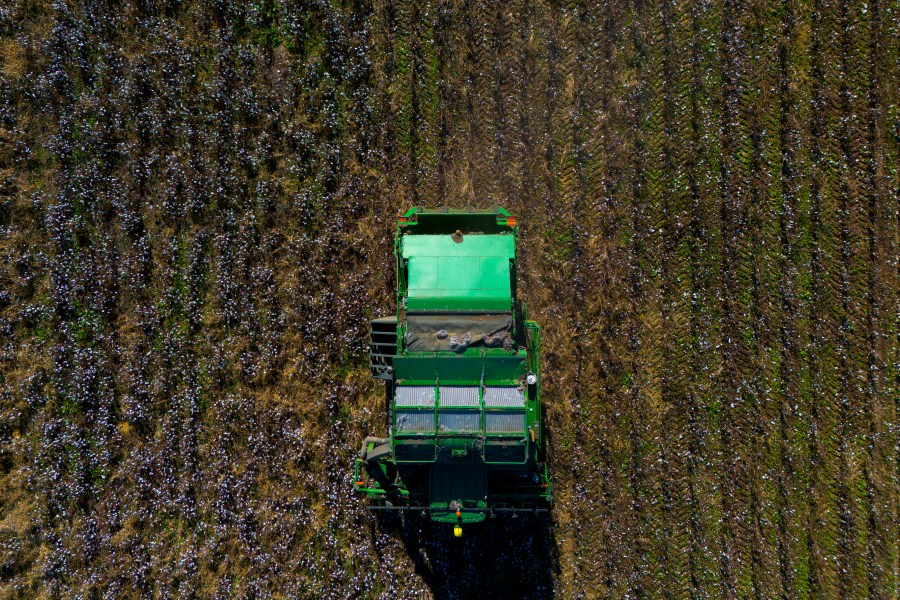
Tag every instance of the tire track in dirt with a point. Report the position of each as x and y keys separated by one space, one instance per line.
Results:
x=822 y=531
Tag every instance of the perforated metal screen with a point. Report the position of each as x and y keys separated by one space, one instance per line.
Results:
x=504 y=422
x=415 y=421
x=458 y=396
x=511 y=397
x=414 y=396
x=460 y=421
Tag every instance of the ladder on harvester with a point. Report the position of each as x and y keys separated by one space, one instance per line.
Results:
x=382 y=347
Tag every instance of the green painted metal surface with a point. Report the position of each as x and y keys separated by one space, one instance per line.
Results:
x=468 y=272
x=500 y=245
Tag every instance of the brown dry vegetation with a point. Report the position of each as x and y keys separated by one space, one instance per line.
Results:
x=197 y=204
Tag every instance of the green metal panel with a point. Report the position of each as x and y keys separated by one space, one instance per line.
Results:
x=473 y=274
x=414 y=451
x=501 y=245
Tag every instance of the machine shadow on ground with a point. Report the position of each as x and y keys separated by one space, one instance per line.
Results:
x=503 y=557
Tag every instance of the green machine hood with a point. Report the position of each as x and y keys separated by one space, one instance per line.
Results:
x=456 y=260
x=465 y=272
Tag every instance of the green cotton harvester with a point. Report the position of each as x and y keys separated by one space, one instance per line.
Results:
x=460 y=362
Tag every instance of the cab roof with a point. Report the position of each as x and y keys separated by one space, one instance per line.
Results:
x=457 y=259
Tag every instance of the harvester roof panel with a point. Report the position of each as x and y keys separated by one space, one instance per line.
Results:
x=446 y=275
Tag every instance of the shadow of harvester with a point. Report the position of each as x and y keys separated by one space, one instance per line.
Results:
x=503 y=557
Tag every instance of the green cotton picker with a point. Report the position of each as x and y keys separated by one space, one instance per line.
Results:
x=460 y=362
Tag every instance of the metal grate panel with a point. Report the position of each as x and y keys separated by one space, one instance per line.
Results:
x=504 y=422
x=459 y=396
x=415 y=421
x=458 y=420
x=414 y=396
x=507 y=397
